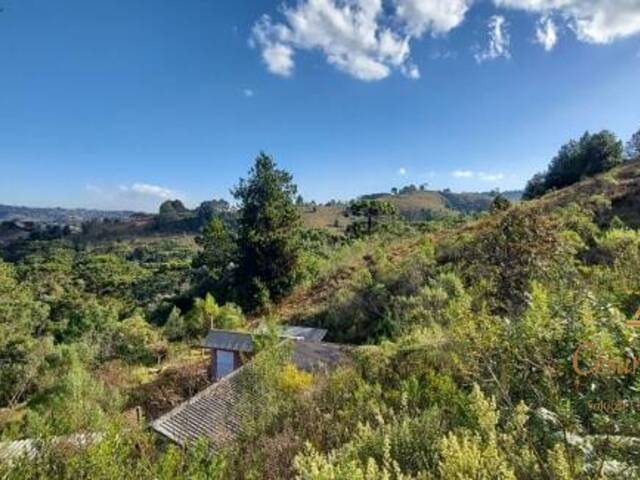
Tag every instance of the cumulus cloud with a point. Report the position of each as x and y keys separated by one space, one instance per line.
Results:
x=370 y=39
x=594 y=21
x=402 y=171
x=247 y=92
x=434 y=16
x=546 y=33
x=348 y=33
x=359 y=37
x=498 y=45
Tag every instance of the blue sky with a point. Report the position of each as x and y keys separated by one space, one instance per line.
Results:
x=123 y=103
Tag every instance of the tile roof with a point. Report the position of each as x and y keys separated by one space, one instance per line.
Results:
x=221 y=411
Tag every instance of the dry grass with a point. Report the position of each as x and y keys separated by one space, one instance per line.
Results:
x=411 y=206
x=322 y=217
x=620 y=185
x=418 y=202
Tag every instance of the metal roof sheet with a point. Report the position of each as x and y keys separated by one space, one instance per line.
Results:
x=243 y=341
x=229 y=340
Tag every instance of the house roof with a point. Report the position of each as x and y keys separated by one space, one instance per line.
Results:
x=243 y=341
x=228 y=340
x=221 y=411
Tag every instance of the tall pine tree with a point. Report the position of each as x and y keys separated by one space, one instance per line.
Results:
x=268 y=234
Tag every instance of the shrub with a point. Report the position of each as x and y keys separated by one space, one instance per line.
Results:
x=135 y=340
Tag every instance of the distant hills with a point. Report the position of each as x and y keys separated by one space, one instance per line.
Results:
x=414 y=204
x=59 y=216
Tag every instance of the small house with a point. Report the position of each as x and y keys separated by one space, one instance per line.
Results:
x=230 y=349
x=220 y=412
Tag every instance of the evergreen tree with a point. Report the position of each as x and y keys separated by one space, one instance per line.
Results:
x=268 y=234
x=535 y=187
x=592 y=154
x=218 y=248
x=633 y=146
x=372 y=211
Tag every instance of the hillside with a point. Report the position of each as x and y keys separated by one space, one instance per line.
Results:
x=618 y=189
x=59 y=216
x=413 y=205
x=459 y=335
x=416 y=205
x=609 y=195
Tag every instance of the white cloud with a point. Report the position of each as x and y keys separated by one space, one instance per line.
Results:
x=593 y=21
x=146 y=189
x=546 y=33
x=402 y=171
x=247 y=92
x=359 y=37
x=483 y=176
x=370 y=39
x=348 y=32
x=435 y=16
x=279 y=59
x=498 y=41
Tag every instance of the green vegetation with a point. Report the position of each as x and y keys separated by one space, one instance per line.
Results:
x=373 y=212
x=633 y=146
x=268 y=234
x=592 y=154
x=466 y=330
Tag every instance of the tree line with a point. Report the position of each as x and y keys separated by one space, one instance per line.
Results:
x=590 y=155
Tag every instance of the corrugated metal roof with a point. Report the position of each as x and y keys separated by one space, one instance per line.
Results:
x=221 y=411
x=243 y=341
x=228 y=340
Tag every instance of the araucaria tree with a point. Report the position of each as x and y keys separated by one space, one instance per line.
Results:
x=268 y=233
x=373 y=211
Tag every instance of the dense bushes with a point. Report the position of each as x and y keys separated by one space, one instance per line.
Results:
x=466 y=371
